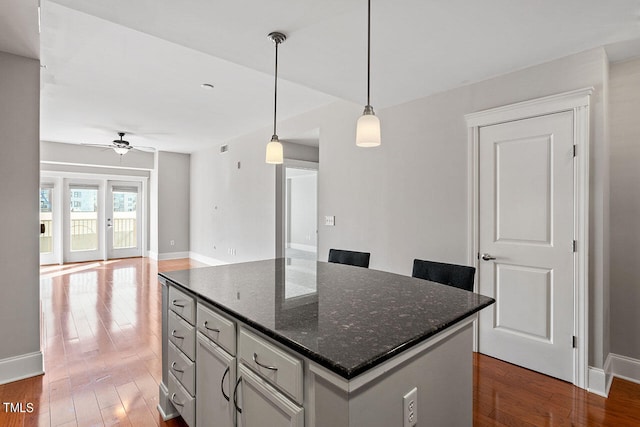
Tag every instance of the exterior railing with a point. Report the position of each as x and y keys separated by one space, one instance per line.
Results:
x=84 y=235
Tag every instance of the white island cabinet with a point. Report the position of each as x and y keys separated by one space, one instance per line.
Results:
x=261 y=345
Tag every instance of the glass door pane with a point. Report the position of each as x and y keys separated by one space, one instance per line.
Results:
x=125 y=221
x=46 y=221
x=84 y=219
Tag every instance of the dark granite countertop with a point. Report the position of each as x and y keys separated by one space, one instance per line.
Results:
x=347 y=319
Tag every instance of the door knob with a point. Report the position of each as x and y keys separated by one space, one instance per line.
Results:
x=487 y=257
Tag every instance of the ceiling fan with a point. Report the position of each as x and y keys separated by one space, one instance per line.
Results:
x=122 y=147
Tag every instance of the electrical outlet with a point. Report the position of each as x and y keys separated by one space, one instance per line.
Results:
x=410 y=408
x=330 y=220
x=172 y=242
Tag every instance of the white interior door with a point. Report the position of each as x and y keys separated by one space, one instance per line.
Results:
x=526 y=223
x=123 y=219
x=84 y=213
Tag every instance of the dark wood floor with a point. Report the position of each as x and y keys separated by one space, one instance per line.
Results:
x=101 y=341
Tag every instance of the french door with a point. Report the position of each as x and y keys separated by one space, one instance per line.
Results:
x=49 y=235
x=123 y=219
x=90 y=219
x=84 y=221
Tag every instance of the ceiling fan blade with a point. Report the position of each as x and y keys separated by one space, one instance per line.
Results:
x=143 y=148
x=97 y=145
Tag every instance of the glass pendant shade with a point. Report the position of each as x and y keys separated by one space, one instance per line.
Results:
x=368 y=126
x=368 y=129
x=121 y=150
x=274 y=151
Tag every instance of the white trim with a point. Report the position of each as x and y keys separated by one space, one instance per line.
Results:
x=171 y=255
x=625 y=367
x=51 y=162
x=576 y=101
x=165 y=407
x=152 y=255
x=21 y=367
x=301 y=247
x=566 y=101
x=365 y=378
x=600 y=379
x=91 y=175
x=205 y=259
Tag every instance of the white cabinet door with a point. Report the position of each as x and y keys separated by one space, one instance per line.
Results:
x=215 y=377
x=262 y=405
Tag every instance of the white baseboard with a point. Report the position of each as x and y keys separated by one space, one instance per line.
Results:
x=624 y=367
x=21 y=367
x=205 y=259
x=597 y=382
x=301 y=247
x=171 y=255
x=153 y=255
x=165 y=407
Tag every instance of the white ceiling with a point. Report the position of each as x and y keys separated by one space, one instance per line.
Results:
x=137 y=66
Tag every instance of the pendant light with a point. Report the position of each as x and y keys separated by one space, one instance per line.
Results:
x=274 y=147
x=368 y=127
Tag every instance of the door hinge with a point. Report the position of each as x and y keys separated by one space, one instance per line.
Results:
x=575 y=150
x=575 y=246
x=574 y=341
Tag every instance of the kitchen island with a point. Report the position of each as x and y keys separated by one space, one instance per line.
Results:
x=305 y=343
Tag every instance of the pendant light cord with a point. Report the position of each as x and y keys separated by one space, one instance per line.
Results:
x=275 y=96
x=368 y=49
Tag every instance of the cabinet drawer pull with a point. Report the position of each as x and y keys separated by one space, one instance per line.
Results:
x=173 y=366
x=173 y=334
x=255 y=359
x=175 y=303
x=174 y=401
x=206 y=322
x=226 y=371
x=235 y=396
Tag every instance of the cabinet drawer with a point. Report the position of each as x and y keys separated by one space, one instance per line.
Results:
x=263 y=405
x=182 y=335
x=279 y=368
x=182 y=368
x=217 y=328
x=182 y=401
x=182 y=304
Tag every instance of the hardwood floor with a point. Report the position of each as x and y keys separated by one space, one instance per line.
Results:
x=101 y=342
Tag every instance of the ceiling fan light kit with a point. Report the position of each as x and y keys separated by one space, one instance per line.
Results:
x=121 y=146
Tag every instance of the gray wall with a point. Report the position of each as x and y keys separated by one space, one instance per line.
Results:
x=408 y=198
x=172 y=196
x=19 y=178
x=237 y=209
x=233 y=208
x=625 y=208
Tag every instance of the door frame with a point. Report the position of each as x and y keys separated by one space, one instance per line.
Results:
x=61 y=179
x=281 y=185
x=578 y=102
